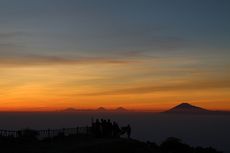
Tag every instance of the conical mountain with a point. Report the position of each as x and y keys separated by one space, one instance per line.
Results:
x=187 y=108
x=121 y=109
x=101 y=109
x=70 y=110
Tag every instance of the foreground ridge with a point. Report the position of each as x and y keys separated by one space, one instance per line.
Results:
x=89 y=140
x=89 y=144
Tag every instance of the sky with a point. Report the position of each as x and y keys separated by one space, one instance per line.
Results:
x=139 y=54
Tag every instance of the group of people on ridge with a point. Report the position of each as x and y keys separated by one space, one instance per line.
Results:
x=107 y=129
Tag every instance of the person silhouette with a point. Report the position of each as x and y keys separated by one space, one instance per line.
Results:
x=97 y=128
x=116 y=130
x=128 y=131
x=109 y=127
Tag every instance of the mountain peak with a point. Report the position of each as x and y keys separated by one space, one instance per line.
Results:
x=186 y=108
x=101 y=109
x=185 y=105
x=70 y=109
x=120 y=109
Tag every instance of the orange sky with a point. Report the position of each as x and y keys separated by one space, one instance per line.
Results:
x=138 y=84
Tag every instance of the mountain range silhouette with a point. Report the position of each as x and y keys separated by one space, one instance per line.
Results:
x=183 y=108
x=99 y=109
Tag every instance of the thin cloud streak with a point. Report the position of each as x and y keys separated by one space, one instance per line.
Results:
x=55 y=60
x=196 y=85
x=4 y=35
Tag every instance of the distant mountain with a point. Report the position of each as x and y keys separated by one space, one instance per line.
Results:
x=188 y=108
x=101 y=109
x=120 y=109
x=70 y=110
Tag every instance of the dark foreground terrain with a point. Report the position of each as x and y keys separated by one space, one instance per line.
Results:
x=86 y=144
x=196 y=130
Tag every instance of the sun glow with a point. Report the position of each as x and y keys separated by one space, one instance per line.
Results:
x=136 y=86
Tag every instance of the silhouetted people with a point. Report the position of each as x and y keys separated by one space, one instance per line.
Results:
x=96 y=128
x=103 y=127
x=116 y=130
x=107 y=129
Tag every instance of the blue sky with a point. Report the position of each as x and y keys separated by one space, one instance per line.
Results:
x=101 y=28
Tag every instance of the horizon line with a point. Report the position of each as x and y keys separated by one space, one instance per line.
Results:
x=97 y=109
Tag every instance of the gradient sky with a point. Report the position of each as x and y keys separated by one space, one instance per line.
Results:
x=139 y=54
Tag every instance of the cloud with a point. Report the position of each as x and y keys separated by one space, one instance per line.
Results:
x=4 y=35
x=11 y=44
x=56 y=60
x=193 y=85
x=141 y=38
x=6 y=45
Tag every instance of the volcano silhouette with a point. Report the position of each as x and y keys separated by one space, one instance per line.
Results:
x=101 y=109
x=121 y=109
x=70 y=109
x=187 y=108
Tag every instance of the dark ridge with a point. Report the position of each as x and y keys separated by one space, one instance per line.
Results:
x=86 y=144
